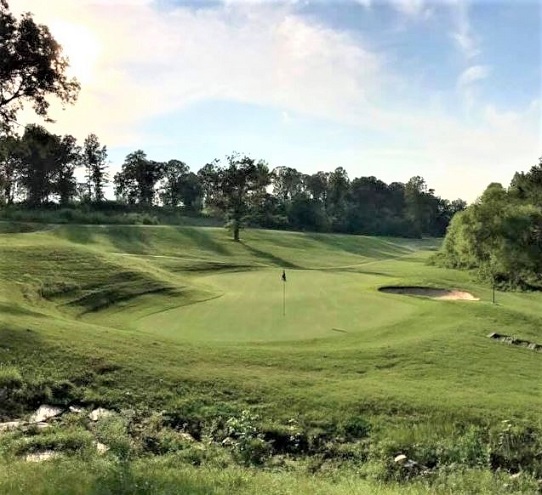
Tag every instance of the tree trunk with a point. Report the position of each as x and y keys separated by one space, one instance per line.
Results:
x=236 y=231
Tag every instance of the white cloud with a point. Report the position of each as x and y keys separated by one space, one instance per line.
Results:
x=409 y=7
x=473 y=74
x=153 y=62
x=146 y=63
x=365 y=3
x=463 y=34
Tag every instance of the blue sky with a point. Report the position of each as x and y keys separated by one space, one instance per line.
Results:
x=449 y=90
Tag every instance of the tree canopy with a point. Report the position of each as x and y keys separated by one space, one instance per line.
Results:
x=39 y=168
x=500 y=235
x=32 y=68
x=240 y=184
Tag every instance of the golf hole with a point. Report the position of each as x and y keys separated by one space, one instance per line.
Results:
x=431 y=292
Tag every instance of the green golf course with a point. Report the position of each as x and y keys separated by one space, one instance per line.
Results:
x=184 y=322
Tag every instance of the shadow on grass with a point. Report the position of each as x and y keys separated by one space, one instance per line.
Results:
x=275 y=260
x=9 y=227
x=365 y=246
x=364 y=272
x=77 y=234
x=16 y=310
x=15 y=340
x=18 y=346
x=204 y=239
x=128 y=239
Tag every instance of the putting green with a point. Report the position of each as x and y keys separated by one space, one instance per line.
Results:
x=250 y=308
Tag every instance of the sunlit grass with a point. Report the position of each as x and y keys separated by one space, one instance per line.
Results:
x=170 y=318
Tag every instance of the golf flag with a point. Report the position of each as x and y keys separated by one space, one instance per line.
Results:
x=283 y=276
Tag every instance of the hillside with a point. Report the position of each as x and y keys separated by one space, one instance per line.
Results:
x=180 y=329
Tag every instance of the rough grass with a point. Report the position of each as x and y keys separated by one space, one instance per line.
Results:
x=172 y=476
x=186 y=321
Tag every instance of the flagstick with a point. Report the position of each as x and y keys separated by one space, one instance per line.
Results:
x=283 y=298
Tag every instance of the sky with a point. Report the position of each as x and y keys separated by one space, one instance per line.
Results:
x=450 y=90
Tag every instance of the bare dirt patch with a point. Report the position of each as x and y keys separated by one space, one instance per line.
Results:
x=431 y=292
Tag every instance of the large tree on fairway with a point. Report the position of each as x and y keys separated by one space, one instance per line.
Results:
x=94 y=160
x=241 y=184
x=32 y=67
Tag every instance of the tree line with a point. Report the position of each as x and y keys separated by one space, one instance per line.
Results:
x=500 y=235
x=38 y=168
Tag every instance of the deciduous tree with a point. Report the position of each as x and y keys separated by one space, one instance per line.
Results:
x=94 y=160
x=137 y=180
x=32 y=68
x=240 y=183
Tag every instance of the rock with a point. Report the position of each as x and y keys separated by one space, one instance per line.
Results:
x=515 y=476
x=41 y=456
x=99 y=413
x=44 y=413
x=76 y=410
x=101 y=447
x=33 y=426
x=10 y=425
x=187 y=437
x=400 y=459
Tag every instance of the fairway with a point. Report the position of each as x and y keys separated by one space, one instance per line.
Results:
x=319 y=304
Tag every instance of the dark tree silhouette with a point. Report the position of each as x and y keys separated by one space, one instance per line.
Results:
x=32 y=68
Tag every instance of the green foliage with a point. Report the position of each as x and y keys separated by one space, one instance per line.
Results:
x=41 y=166
x=235 y=188
x=66 y=441
x=516 y=447
x=10 y=377
x=500 y=237
x=136 y=182
x=365 y=375
x=38 y=171
x=32 y=68
x=249 y=445
x=356 y=427
x=93 y=159
x=113 y=431
x=21 y=395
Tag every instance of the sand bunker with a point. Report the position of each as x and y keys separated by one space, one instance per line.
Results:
x=440 y=294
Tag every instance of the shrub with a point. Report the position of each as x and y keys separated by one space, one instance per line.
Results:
x=50 y=289
x=356 y=427
x=10 y=377
x=516 y=447
x=64 y=441
x=249 y=445
x=113 y=432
